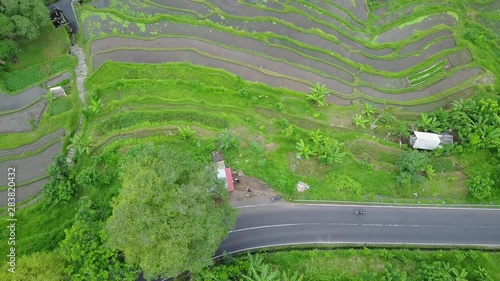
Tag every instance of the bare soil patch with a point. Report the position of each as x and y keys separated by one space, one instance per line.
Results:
x=444 y=103
x=403 y=12
x=8 y=103
x=260 y=192
x=339 y=13
x=417 y=46
x=18 y=121
x=449 y=82
x=23 y=192
x=186 y=5
x=244 y=44
x=398 y=34
x=32 y=166
x=460 y=58
x=143 y=56
x=38 y=144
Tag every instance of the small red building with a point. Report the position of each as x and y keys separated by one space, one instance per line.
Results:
x=223 y=172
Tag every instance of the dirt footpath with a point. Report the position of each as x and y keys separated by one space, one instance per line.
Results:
x=260 y=192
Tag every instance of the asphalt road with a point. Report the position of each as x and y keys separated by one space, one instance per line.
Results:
x=288 y=224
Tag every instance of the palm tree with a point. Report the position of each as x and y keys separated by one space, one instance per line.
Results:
x=86 y=144
x=316 y=136
x=368 y=110
x=96 y=106
x=81 y=144
x=429 y=123
x=459 y=275
x=317 y=94
x=303 y=149
x=74 y=141
x=429 y=170
x=258 y=271
x=294 y=277
x=50 y=97
x=359 y=120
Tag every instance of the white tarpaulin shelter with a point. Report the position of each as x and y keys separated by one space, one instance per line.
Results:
x=428 y=141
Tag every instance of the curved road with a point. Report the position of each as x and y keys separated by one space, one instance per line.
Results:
x=288 y=224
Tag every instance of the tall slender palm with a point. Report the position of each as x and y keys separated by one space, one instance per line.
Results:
x=303 y=149
x=368 y=110
x=81 y=144
x=50 y=97
x=265 y=273
x=317 y=94
x=359 y=120
x=294 y=277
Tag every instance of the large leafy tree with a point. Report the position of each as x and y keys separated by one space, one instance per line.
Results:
x=171 y=213
x=86 y=257
x=61 y=186
x=20 y=20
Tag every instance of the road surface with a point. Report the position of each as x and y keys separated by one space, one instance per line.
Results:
x=289 y=224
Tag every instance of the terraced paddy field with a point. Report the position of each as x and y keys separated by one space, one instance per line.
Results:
x=293 y=45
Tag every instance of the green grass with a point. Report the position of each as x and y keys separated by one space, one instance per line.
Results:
x=52 y=43
x=59 y=106
x=18 y=80
x=353 y=264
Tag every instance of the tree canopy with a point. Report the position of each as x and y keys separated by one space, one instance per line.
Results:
x=20 y=20
x=86 y=257
x=171 y=214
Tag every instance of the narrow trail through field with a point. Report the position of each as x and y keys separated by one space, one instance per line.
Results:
x=81 y=71
x=81 y=74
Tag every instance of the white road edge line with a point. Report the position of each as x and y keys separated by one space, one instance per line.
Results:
x=253 y=206
x=360 y=243
x=362 y=224
x=390 y=206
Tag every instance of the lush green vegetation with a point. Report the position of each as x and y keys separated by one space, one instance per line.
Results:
x=52 y=43
x=35 y=74
x=20 y=21
x=367 y=264
x=86 y=222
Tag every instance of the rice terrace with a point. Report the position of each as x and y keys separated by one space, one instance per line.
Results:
x=138 y=138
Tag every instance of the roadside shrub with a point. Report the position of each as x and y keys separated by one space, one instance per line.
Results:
x=411 y=164
x=88 y=177
x=386 y=254
x=480 y=186
x=393 y=274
